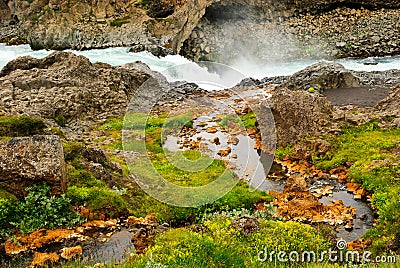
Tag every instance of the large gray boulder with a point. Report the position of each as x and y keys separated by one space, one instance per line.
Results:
x=29 y=161
x=67 y=88
x=325 y=75
x=299 y=114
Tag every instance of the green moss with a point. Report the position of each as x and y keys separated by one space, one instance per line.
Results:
x=112 y=124
x=72 y=150
x=119 y=22
x=231 y=118
x=247 y=121
x=21 y=126
x=282 y=152
x=5 y=139
x=60 y=120
x=178 y=121
x=5 y=195
x=58 y=132
x=99 y=200
x=82 y=178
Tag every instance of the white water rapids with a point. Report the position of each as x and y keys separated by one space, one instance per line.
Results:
x=192 y=72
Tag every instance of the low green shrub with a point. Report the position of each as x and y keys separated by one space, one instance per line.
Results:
x=38 y=210
x=83 y=178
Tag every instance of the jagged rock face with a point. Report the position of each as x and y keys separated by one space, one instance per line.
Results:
x=67 y=87
x=298 y=114
x=391 y=105
x=83 y=24
x=25 y=162
x=283 y=30
x=5 y=13
x=56 y=24
x=324 y=76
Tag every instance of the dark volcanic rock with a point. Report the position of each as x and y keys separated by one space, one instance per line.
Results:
x=156 y=50
x=25 y=162
x=323 y=75
x=248 y=82
x=275 y=80
x=5 y=13
x=378 y=78
x=160 y=8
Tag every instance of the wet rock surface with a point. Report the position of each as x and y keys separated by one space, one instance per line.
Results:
x=25 y=162
x=298 y=203
x=94 y=241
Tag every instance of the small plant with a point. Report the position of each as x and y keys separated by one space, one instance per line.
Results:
x=60 y=120
x=38 y=210
x=224 y=246
x=119 y=191
x=270 y=211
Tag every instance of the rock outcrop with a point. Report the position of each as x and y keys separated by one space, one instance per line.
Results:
x=298 y=114
x=202 y=29
x=67 y=88
x=25 y=162
x=323 y=75
x=391 y=105
x=232 y=32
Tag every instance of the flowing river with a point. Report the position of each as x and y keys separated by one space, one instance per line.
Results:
x=192 y=72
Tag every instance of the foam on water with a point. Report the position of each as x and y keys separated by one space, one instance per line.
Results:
x=176 y=67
